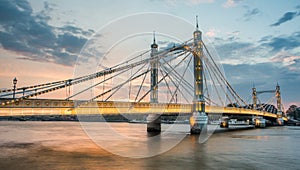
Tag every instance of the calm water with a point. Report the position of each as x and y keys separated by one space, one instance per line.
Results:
x=65 y=145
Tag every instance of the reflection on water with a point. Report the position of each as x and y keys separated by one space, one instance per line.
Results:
x=64 y=145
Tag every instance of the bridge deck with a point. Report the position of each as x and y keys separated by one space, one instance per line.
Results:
x=63 y=107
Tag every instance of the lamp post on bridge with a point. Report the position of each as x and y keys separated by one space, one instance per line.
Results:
x=14 y=89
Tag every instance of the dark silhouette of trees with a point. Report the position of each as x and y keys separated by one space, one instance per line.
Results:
x=293 y=112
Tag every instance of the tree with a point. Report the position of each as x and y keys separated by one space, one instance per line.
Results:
x=291 y=112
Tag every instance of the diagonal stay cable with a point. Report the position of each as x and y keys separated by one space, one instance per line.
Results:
x=141 y=85
x=94 y=85
x=214 y=84
x=222 y=74
x=128 y=80
x=169 y=90
x=161 y=80
x=176 y=74
x=219 y=79
x=174 y=84
x=178 y=79
x=118 y=86
x=206 y=87
x=181 y=79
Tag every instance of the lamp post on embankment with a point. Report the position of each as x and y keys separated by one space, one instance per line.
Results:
x=14 y=89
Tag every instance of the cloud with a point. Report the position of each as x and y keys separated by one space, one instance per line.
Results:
x=231 y=3
x=250 y=13
x=30 y=35
x=233 y=51
x=286 y=17
x=212 y=32
x=290 y=61
x=282 y=42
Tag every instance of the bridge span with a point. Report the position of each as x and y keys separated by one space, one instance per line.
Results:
x=30 y=107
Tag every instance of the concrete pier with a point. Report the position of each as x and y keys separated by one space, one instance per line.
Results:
x=154 y=123
x=198 y=122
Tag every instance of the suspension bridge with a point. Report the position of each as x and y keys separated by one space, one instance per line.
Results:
x=150 y=83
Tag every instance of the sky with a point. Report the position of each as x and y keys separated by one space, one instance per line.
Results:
x=258 y=41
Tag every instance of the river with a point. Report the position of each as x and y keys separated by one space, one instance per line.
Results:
x=67 y=145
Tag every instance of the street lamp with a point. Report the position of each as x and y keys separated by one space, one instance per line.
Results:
x=15 y=83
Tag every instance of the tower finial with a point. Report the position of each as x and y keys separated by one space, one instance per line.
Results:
x=197 y=27
x=154 y=37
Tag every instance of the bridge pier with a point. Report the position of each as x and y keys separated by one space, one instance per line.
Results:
x=198 y=122
x=154 y=123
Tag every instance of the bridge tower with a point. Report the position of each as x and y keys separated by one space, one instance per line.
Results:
x=254 y=98
x=154 y=120
x=278 y=98
x=154 y=72
x=198 y=120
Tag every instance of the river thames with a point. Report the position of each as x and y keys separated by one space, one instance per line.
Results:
x=65 y=145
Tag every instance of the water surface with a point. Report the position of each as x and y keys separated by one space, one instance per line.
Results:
x=65 y=145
